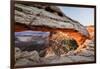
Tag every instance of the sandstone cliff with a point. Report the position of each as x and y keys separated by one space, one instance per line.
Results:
x=45 y=35
x=43 y=17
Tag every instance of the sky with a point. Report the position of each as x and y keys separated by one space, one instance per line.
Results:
x=83 y=15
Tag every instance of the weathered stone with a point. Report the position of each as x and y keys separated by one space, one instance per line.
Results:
x=46 y=18
x=26 y=16
x=34 y=56
x=86 y=53
x=70 y=53
x=91 y=30
x=17 y=53
x=61 y=60
x=25 y=54
x=23 y=62
x=28 y=58
x=36 y=17
x=81 y=58
x=61 y=44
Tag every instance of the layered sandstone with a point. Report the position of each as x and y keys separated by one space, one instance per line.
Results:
x=44 y=17
x=65 y=38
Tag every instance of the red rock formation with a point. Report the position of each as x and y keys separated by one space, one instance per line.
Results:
x=50 y=18
x=91 y=31
x=72 y=33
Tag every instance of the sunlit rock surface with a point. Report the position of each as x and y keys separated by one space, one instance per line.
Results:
x=59 y=40
x=44 y=17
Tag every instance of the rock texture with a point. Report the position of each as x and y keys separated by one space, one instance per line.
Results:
x=61 y=44
x=31 y=15
x=54 y=56
x=44 y=17
x=26 y=58
x=67 y=41
x=91 y=30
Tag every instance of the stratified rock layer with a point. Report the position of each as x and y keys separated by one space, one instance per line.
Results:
x=65 y=36
x=43 y=17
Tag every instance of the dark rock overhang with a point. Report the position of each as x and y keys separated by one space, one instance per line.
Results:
x=34 y=15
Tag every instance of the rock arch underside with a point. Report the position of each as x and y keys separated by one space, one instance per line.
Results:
x=47 y=18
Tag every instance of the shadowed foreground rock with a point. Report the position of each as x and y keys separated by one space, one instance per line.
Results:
x=26 y=58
